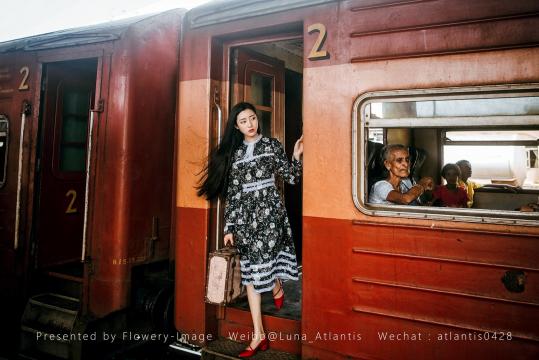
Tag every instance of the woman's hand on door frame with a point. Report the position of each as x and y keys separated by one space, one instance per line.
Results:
x=298 y=148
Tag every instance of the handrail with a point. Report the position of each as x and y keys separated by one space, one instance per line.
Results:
x=87 y=187
x=219 y=121
x=26 y=110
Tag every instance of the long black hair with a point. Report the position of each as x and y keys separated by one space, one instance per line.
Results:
x=214 y=178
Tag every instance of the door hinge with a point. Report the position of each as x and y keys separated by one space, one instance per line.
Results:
x=100 y=106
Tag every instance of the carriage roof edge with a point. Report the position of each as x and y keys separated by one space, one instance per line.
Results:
x=84 y=35
x=222 y=11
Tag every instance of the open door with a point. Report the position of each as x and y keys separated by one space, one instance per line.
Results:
x=259 y=79
x=276 y=93
x=69 y=89
x=56 y=290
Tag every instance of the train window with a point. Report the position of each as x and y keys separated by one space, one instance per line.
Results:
x=76 y=107
x=495 y=129
x=264 y=118
x=4 y=142
x=261 y=89
x=261 y=93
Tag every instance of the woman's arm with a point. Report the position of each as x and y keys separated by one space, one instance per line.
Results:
x=289 y=171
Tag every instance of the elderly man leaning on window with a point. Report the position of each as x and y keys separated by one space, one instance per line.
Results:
x=397 y=188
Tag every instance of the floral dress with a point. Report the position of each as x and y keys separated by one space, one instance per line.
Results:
x=256 y=216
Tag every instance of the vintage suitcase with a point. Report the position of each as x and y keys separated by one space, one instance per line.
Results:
x=223 y=284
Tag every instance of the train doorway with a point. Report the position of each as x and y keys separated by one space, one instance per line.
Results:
x=56 y=286
x=68 y=90
x=269 y=75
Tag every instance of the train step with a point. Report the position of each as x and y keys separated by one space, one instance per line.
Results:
x=64 y=280
x=183 y=348
x=47 y=323
x=58 y=302
x=229 y=349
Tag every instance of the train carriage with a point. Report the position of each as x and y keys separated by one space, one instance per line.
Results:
x=87 y=136
x=445 y=78
x=90 y=159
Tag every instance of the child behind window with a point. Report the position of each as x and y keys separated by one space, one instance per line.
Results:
x=450 y=195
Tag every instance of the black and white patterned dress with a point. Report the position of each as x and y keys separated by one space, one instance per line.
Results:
x=256 y=216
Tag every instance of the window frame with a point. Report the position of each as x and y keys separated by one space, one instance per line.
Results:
x=360 y=141
x=59 y=119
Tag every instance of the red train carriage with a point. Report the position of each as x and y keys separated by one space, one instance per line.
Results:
x=87 y=143
x=449 y=79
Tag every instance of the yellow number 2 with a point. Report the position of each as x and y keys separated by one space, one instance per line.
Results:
x=316 y=52
x=70 y=208
x=24 y=70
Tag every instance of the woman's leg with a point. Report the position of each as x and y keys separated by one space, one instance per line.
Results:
x=278 y=290
x=256 y=313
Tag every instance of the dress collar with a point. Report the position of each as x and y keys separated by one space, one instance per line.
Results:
x=254 y=141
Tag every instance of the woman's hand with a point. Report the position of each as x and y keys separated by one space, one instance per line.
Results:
x=298 y=148
x=229 y=238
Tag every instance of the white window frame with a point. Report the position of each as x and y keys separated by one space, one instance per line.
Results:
x=360 y=141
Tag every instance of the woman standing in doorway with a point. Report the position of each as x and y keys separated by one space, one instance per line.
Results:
x=242 y=169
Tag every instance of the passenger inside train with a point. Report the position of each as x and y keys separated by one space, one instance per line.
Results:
x=495 y=134
x=465 y=182
x=397 y=187
x=450 y=194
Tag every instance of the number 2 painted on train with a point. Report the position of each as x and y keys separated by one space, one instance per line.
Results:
x=70 y=208
x=316 y=52
x=26 y=71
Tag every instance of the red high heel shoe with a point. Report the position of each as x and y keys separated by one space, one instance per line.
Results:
x=279 y=301
x=247 y=353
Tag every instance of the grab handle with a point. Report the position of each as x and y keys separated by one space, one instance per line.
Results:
x=26 y=110
x=88 y=163
x=219 y=121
